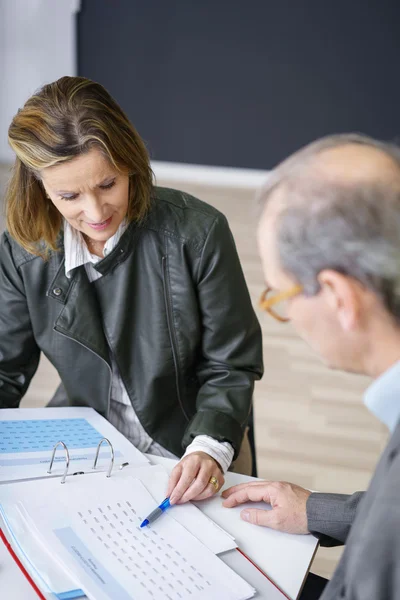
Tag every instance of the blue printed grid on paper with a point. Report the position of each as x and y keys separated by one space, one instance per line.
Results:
x=40 y=435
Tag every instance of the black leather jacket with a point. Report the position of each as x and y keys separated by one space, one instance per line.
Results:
x=172 y=306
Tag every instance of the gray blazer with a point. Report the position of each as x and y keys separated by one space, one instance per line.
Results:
x=369 y=524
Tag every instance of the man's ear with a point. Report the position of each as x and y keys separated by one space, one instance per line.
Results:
x=342 y=294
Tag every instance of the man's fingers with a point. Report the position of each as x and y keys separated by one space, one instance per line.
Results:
x=250 y=493
x=288 y=502
x=265 y=518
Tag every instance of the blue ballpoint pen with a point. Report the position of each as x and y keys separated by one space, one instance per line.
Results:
x=156 y=513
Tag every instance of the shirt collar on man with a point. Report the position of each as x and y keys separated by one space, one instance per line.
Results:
x=382 y=398
x=76 y=250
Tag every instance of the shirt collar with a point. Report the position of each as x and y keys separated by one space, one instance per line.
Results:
x=76 y=250
x=382 y=398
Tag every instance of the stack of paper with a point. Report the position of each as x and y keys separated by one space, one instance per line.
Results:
x=91 y=524
x=83 y=537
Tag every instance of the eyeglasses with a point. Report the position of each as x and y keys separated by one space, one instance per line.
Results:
x=269 y=299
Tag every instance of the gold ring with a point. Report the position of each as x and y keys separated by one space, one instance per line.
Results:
x=214 y=482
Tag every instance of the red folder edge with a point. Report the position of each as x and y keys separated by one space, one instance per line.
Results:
x=262 y=573
x=20 y=565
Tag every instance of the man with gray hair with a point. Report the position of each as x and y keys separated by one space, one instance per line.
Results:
x=329 y=240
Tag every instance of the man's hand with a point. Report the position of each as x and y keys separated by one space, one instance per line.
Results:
x=288 y=502
x=190 y=478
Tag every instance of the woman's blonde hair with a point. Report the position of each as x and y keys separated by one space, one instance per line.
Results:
x=62 y=120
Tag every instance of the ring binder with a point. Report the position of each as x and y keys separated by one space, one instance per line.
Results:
x=112 y=456
x=94 y=463
x=67 y=460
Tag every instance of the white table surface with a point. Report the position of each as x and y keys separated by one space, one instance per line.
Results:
x=285 y=558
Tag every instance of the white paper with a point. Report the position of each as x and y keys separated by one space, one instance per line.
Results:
x=27 y=437
x=264 y=545
x=92 y=525
x=272 y=550
x=266 y=590
x=155 y=480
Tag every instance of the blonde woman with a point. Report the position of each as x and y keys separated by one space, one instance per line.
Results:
x=134 y=293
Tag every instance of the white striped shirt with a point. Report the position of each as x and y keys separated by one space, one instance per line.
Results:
x=122 y=414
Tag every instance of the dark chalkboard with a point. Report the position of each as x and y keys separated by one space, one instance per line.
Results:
x=236 y=83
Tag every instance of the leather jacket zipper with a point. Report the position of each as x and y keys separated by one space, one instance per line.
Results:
x=172 y=335
x=98 y=356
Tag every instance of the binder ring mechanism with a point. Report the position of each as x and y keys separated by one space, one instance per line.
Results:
x=67 y=459
x=60 y=443
x=111 y=459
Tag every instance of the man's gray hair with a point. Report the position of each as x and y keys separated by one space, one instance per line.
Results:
x=351 y=227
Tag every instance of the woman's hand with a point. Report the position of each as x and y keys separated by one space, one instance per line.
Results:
x=190 y=478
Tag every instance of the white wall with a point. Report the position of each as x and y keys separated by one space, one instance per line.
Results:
x=37 y=46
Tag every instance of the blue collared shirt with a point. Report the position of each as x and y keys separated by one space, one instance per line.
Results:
x=382 y=398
